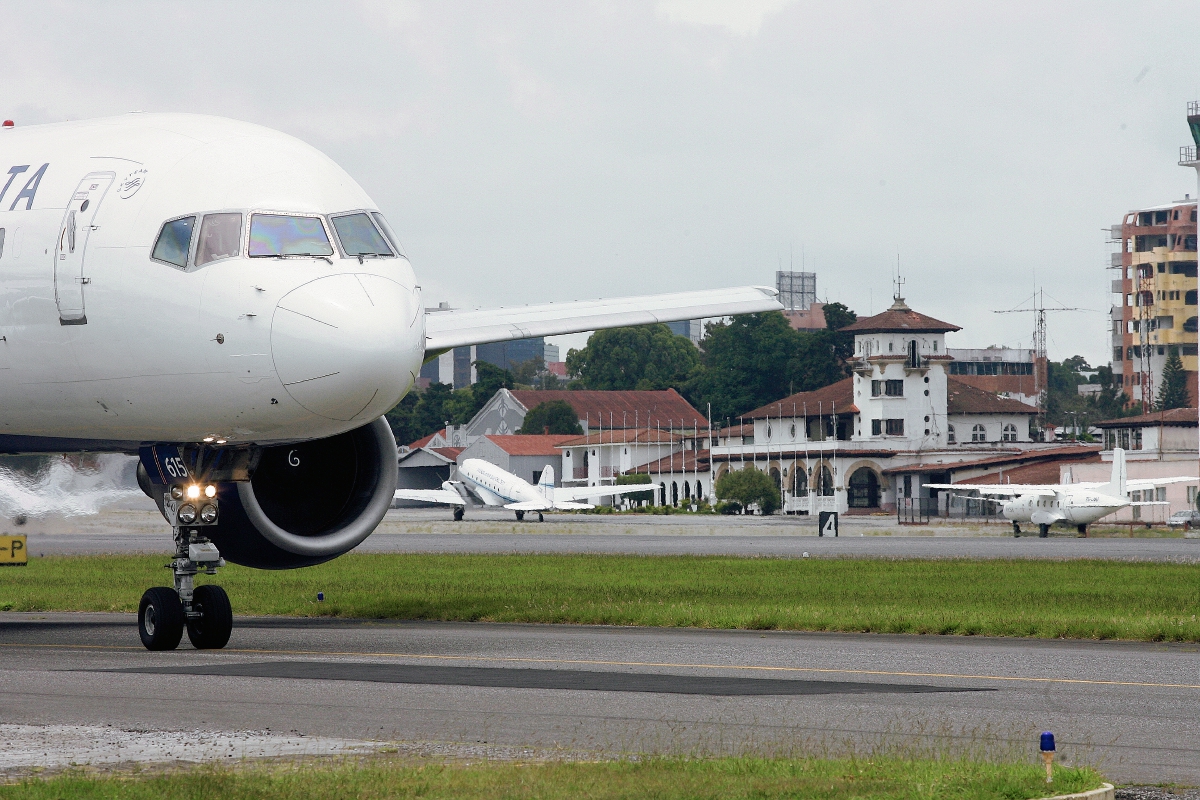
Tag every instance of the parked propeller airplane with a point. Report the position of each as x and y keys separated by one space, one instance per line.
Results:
x=224 y=301
x=1078 y=504
x=484 y=483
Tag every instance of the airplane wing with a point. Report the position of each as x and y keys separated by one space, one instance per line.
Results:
x=567 y=493
x=447 y=329
x=528 y=505
x=1150 y=483
x=442 y=496
x=999 y=489
x=565 y=506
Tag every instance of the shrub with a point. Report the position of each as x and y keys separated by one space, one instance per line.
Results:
x=749 y=487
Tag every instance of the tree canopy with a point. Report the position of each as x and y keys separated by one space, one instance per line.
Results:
x=554 y=416
x=421 y=413
x=748 y=487
x=756 y=358
x=1064 y=404
x=1173 y=391
x=641 y=357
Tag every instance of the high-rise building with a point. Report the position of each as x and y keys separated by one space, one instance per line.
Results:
x=1154 y=305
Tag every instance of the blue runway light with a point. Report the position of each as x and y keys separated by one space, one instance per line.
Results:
x=321 y=599
x=1047 y=742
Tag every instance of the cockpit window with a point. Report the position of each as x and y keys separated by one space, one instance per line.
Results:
x=359 y=237
x=388 y=232
x=280 y=235
x=175 y=241
x=220 y=237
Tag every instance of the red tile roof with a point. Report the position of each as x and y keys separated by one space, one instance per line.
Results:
x=1042 y=472
x=900 y=319
x=424 y=440
x=449 y=453
x=624 y=436
x=686 y=461
x=834 y=397
x=1001 y=384
x=624 y=409
x=530 y=445
x=1076 y=452
x=1179 y=417
x=962 y=398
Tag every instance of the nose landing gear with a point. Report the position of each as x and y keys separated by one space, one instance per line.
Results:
x=205 y=612
x=1016 y=530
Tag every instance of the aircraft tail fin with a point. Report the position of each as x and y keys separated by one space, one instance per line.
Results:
x=546 y=483
x=1116 y=484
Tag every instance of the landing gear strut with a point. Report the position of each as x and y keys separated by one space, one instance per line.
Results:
x=458 y=513
x=520 y=516
x=1043 y=531
x=1016 y=530
x=540 y=517
x=205 y=611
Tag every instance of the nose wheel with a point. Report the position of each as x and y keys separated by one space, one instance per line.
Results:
x=205 y=612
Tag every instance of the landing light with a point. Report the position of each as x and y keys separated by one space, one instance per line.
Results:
x=176 y=492
x=193 y=492
x=208 y=514
x=220 y=441
x=208 y=439
x=187 y=513
x=210 y=491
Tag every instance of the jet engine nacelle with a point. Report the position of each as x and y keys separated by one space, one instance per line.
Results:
x=306 y=503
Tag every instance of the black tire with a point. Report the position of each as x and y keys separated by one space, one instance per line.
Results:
x=520 y=516
x=458 y=513
x=1016 y=531
x=1082 y=530
x=540 y=517
x=160 y=619
x=1043 y=531
x=211 y=630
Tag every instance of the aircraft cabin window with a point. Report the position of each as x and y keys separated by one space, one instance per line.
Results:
x=359 y=236
x=175 y=242
x=220 y=237
x=280 y=235
x=387 y=232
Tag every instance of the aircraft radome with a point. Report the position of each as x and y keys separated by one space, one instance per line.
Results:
x=226 y=302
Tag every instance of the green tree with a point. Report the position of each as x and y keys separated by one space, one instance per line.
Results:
x=489 y=379
x=640 y=357
x=748 y=487
x=633 y=480
x=554 y=416
x=1173 y=391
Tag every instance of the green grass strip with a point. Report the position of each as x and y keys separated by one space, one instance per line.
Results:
x=871 y=779
x=1050 y=599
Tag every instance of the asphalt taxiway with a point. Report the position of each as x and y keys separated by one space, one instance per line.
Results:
x=138 y=527
x=1131 y=708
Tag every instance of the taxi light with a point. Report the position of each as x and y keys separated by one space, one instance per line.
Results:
x=193 y=492
x=210 y=491
x=187 y=513
x=220 y=441
x=208 y=438
x=208 y=514
x=176 y=492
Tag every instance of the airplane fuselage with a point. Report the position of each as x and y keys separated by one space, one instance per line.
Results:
x=109 y=338
x=1068 y=507
x=497 y=487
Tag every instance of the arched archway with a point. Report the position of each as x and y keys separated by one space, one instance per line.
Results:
x=662 y=494
x=776 y=478
x=674 y=493
x=687 y=491
x=864 y=489
x=823 y=481
x=799 y=480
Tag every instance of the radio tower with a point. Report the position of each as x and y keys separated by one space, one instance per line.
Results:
x=1039 y=341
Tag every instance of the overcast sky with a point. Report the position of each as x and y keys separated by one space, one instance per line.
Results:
x=535 y=151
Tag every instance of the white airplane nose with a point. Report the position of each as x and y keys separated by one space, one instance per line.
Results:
x=342 y=345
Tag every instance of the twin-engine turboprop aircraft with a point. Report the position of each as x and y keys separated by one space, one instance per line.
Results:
x=486 y=484
x=1077 y=504
x=226 y=302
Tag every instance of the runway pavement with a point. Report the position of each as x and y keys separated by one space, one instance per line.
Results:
x=134 y=528
x=1130 y=707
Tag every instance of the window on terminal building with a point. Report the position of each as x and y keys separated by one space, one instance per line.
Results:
x=894 y=388
x=894 y=427
x=950 y=435
x=876 y=388
x=876 y=427
x=1117 y=354
x=1186 y=268
x=978 y=434
x=1009 y=434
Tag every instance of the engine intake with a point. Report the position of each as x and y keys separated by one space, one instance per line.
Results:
x=307 y=503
